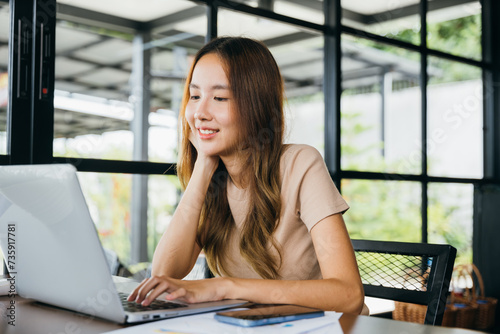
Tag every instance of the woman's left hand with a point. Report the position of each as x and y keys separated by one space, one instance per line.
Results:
x=190 y=291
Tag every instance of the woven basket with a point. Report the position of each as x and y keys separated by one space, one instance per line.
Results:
x=469 y=309
x=465 y=314
x=416 y=313
x=484 y=307
x=449 y=317
x=409 y=312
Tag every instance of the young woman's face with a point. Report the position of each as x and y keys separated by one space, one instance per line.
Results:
x=210 y=110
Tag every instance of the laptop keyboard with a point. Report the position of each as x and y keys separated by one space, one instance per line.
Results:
x=155 y=305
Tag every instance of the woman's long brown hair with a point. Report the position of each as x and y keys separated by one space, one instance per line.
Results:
x=257 y=89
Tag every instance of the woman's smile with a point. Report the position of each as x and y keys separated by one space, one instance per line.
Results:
x=205 y=133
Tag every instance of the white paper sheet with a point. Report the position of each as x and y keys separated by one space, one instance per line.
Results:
x=206 y=324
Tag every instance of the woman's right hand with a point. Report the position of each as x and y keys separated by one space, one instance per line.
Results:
x=190 y=291
x=207 y=163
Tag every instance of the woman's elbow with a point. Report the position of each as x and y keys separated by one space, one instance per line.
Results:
x=356 y=299
x=360 y=301
x=351 y=300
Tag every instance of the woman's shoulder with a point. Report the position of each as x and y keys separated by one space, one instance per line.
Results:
x=300 y=151
x=297 y=159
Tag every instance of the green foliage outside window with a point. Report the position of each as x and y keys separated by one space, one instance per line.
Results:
x=391 y=210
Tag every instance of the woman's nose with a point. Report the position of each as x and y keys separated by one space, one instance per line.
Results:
x=202 y=111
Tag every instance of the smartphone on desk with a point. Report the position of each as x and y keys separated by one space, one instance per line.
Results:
x=268 y=315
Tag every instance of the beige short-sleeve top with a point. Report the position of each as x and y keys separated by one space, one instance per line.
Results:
x=308 y=195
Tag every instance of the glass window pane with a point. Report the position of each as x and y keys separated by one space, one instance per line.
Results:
x=394 y=19
x=380 y=108
x=455 y=119
x=108 y=199
x=252 y=3
x=299 y=54
x=101 y=89
x=455 y=29
x=383 y=210
x=311 y=11
x=307 y=11
x=164 y=192
x=450 y=217
x=4 y=62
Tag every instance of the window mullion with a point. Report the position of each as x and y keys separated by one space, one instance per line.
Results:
x=332 y=87
x=43 y=80
x=423 y=94
x=20 y=76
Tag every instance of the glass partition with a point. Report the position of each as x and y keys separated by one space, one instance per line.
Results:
x=450 y=217
x=380 y=108
x=164 y=192
x=455 y=119
x=109 y=199
x=394 y=19
x=299 y=54
x=455 y=28
x=119 y=77
x=383 y=210
x=311 y=11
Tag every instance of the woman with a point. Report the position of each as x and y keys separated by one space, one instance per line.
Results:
x=267 y=215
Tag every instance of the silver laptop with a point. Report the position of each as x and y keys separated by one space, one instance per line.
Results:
x=55 y=253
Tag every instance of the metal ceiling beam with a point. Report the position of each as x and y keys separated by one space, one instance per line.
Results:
x=368 y=61
x=118 y=66
x=312 y=4
x=261 y=12
x=318 y=5
x=294 y=37
x=301 y=63
x=168 y=75
x=67 y=53
x=194 y=42
x=177 y=17
x=98 y=19
x=361 y=73
x=266 y=4
x=89 y=88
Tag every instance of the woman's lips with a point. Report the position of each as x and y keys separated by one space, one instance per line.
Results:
x=207 y=133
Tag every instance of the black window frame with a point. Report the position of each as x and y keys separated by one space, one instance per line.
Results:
x=31 y=121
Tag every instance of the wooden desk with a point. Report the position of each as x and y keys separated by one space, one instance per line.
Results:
x=35 y=318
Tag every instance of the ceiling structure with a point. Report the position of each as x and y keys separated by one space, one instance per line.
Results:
x=94 y=50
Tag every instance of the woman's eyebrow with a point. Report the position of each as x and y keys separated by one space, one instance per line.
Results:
x=214 y=87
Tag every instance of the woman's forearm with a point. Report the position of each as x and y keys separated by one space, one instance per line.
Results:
x=326 y=294
x=178 y=250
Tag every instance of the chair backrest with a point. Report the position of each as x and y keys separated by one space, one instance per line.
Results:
x=416 y=273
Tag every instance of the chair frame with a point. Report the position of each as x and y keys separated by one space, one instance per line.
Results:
x=438 y=281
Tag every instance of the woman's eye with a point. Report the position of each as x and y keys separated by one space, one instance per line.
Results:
x=194 y=97
x=220 y=99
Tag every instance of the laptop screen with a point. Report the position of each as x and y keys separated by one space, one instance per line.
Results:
x=59 y=258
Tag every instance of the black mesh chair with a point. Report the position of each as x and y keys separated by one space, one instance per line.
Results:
x=407 y=272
